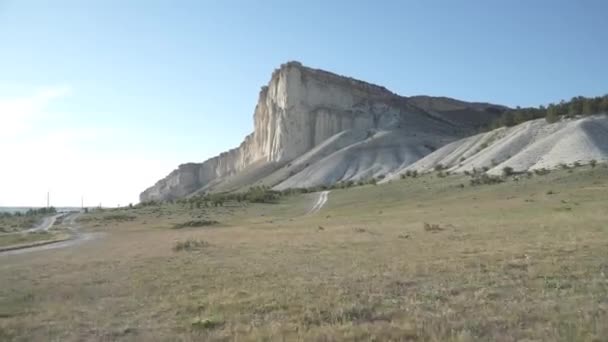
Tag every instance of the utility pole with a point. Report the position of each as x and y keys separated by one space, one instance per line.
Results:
x=48 y=199
x=81 y=202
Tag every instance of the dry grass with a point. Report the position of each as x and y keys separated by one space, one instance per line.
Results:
x=503 y=268
x=8 y=240
x=17 y=223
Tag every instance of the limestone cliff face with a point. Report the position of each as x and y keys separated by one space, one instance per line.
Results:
x=299 y=109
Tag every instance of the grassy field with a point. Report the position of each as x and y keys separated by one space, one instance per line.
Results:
x=9 y=224
x=10 y=240
x=12 y=231
x=417 y=259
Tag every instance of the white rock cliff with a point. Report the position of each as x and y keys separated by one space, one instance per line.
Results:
x=301 y=108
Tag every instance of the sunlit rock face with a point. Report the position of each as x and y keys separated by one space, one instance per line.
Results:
x=301 y=108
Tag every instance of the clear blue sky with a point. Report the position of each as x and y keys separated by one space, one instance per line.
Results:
x=123 y=91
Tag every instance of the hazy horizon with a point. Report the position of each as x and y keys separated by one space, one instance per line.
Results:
x=103 y=98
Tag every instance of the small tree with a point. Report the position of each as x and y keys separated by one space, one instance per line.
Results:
x=552 y=113
x=593 y=162
x=603 y=105
x=507 y=171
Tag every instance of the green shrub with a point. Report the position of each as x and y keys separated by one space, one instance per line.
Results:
x=485 y=179
x=118 y=217
x=507 y=171
x=261 y=194
x=190 y=245
x=194 y=224
x=432 y=227
x=542 y=172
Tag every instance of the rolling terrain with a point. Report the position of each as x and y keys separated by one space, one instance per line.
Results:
x=429 y=258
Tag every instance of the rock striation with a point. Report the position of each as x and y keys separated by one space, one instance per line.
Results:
x=528 y=146
x=302 y=109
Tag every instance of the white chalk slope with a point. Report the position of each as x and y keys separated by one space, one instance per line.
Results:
x=370 y=156
x=528 y=146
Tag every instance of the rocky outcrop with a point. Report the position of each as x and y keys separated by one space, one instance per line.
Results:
x=303 y=107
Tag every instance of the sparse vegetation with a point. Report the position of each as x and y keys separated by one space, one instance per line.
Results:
x=541 y=172
x=118 y=217
x=485 y=179
x=410 y=173
x=195 y=224
x=190 y=245
x=28 y=238
x=17 y=221
x=428 y=227
x=274 y=273
x=578 y=105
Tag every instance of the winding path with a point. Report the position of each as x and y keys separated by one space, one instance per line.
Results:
x=75 y=239
x=45 y=225
x=321 y=200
